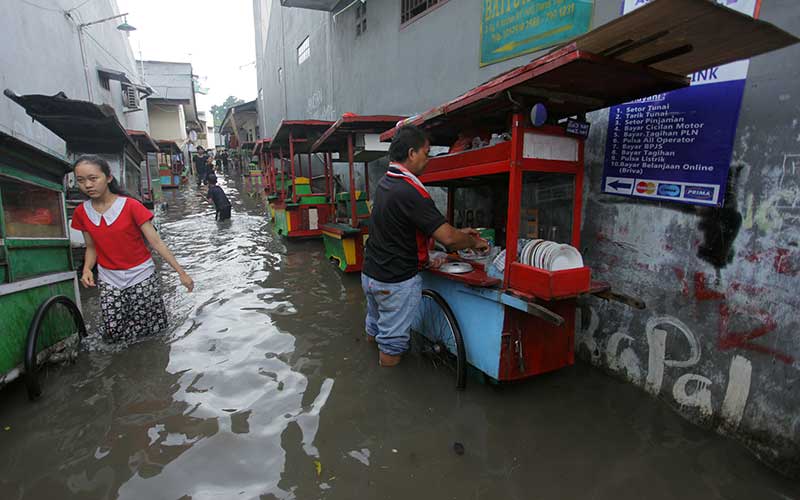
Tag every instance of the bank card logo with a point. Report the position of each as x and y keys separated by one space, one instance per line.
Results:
x=699 y=193
x=644 y=187
x=672 y=190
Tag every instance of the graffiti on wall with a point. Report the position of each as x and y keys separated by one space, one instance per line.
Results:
x=690 y=389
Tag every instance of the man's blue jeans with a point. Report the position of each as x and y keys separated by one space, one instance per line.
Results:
x=391 y=309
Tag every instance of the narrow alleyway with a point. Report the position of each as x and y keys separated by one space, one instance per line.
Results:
x=262 y=387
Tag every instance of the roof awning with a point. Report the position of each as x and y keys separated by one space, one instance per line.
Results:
x=144 y=141
x=643 y=53
x=85 y=127
x=112 y=74
x=304 y=133
x=120 y=76
x=326 y=5
x=334 y=140
x=684 y=36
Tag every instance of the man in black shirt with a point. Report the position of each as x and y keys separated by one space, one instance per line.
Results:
x=404 y=219
x=201 y=165
x=217 y=196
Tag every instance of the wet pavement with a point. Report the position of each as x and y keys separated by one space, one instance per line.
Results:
x=263 y=388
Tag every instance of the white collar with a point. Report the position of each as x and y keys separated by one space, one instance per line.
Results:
x=110 y=215
x=407 y=173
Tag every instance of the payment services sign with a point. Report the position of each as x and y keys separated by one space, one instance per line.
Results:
x=510 y=28
x=678 y=146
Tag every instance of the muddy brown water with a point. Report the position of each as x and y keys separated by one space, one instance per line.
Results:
x=262 y=388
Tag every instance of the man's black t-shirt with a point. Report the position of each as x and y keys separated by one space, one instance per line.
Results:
x=201 y=163
x=402 y=221
x=217 y=196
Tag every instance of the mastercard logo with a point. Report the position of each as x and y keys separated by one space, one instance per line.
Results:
x=646 y=187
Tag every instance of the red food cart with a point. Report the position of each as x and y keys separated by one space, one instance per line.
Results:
x=301 y=212
x=356 y=138
x=527 y=181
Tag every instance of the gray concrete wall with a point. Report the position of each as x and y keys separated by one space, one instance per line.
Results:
x=41 y=55
x=718 y=341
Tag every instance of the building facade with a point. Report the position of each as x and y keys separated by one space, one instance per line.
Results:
x=718 y=340
x=58 y=48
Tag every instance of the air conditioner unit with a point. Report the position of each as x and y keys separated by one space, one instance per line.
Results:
x=130 y=97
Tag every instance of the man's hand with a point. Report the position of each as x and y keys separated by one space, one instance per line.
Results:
x=478 y=243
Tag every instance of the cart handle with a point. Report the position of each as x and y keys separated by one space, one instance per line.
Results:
x=512 y=300
x=628 y=300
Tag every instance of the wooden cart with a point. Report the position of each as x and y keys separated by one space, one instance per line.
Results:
x=40 y=317
x=301 y=212
x=357 y=139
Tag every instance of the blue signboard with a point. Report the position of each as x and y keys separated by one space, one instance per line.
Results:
x=677 y=146
x=510 y=28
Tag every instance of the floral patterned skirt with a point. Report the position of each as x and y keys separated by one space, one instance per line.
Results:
x=134 y=312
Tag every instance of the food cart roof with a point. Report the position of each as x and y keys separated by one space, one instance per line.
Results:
x=335 y=138
x=168 y=146
x=569 y=81
x=144 y=141
x=85 y=127
x=261 y=144
x=684 y=36
x=309 y=130
x=637 y=55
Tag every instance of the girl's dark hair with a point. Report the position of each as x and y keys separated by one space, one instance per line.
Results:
x=408 y=137
x=113 y=186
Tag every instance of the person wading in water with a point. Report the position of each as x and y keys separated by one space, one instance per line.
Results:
x=403 y=221
x=115 y=227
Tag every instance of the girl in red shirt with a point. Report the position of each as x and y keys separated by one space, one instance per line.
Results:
x=115 y=227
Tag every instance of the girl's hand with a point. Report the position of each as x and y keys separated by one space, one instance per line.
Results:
x=87 y=279
x=187 y=281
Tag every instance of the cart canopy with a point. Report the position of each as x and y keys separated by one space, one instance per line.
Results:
x=307 y=131
x=334 y=140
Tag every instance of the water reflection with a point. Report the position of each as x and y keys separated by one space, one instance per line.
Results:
x=262 y=388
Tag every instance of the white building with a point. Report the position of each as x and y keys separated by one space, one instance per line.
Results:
x=84 y=57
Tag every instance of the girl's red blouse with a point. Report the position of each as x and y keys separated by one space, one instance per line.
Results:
x=117 y=233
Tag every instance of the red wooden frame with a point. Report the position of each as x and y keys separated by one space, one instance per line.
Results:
x=508 y=158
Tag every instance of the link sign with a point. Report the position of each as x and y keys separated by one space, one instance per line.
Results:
x=510 y=28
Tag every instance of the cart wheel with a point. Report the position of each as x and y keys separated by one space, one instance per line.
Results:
x=35 y=356
x=438 y=336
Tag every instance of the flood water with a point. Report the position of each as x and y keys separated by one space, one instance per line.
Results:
x=263 y=388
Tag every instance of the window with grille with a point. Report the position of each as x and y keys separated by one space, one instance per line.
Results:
x=361 y=19
x=303 y=51
x=412 y=9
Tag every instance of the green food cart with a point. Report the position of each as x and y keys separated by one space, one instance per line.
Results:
x=40 y=318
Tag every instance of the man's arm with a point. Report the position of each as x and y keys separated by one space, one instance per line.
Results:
x=459 y=239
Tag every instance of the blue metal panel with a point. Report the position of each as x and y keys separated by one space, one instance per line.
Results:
x=480 y=316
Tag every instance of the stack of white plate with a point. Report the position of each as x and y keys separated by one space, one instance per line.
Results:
x=550 y=255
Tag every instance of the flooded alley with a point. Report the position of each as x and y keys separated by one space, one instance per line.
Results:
x=263 y=388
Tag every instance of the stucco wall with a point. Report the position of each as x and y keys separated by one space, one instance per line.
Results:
x=718 y=341
x=41 y=55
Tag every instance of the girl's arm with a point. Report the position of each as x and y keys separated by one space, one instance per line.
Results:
x=155 y=241
x=87 y=276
